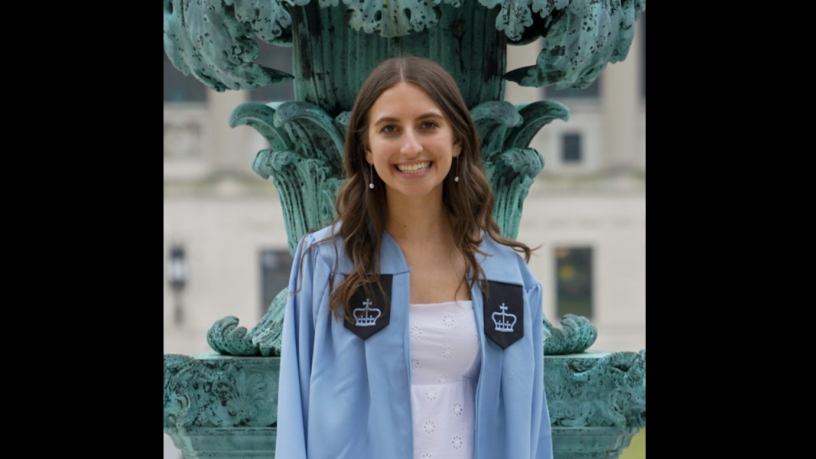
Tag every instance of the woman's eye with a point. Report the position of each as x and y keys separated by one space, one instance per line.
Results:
x=429 y=125
x=388 y=129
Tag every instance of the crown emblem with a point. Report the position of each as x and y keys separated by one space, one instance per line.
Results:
x=504 y=321
x=367 y=316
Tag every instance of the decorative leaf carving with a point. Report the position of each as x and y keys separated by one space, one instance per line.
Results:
x=269 y=19
x=219 y=393
x=226 y=337
x=511 y=173
x=261 y=117
x=392 y=18
x=493 y=120
x=579 y=40
x=505 y=131
x=213 y=39
x=204 y=39
x=267 y=334
x=606 y=391
x=313 y=132
x=305 y=161
x=535 y=115
x=180 y=404
x=514 y=16
x=576 y=335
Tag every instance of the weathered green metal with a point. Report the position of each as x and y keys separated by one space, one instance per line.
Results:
x=225 y=406
x=573 y=382
x=511 y=166
x=213 y=40
x=305 y=161
x=221 y=406
x=580 y=37
x=228 y=338
x=597 y=402
x=331 y=60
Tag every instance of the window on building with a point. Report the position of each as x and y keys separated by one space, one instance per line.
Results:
x=275 y=268
x=571 y=148
x=573 y=268
x=181 y=88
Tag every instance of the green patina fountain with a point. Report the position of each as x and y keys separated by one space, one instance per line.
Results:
x=223 y=405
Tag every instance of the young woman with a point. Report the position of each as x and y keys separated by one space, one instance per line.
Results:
x=413 y=329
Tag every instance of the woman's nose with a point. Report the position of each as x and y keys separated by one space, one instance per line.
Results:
x=410 y=143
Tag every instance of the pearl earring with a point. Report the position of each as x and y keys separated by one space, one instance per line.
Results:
x=456 y=178
x=371 y=171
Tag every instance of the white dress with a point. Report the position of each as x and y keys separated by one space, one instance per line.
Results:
x=445 y=363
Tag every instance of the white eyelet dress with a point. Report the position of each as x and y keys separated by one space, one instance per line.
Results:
x=445 y=362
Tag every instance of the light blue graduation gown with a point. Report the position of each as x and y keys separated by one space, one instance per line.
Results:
x=342 y=397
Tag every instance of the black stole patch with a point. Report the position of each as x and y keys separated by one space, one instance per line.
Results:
x=370 y=315
x=504 y=313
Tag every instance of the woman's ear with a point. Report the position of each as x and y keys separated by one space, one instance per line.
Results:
x=368 y=157
x=457 y=148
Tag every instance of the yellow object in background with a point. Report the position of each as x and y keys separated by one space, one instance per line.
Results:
x=637 y=447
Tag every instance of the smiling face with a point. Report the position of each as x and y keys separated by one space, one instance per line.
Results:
x=410 y=142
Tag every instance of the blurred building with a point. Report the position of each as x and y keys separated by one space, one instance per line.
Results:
x=225 y=249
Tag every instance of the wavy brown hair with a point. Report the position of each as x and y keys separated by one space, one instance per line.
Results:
x=363 y=211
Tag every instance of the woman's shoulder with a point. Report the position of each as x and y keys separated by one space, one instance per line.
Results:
x=325 y=244
x=325 y=234
x=497 y=249
x=504 y=262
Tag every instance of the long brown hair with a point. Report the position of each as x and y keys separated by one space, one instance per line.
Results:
x=363 y=211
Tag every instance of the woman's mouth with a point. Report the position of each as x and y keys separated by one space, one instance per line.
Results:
x=413 y=168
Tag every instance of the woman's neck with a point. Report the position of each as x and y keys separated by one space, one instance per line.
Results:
x=412 y=223
x=424 y=234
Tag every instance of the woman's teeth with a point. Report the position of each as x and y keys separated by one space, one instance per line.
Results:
x=413 y=168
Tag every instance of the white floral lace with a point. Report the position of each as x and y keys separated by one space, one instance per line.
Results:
x=444 y=366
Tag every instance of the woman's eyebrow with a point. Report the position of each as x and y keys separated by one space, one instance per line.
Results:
x=385 y=119
x=390 y=119
x=431 y=115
